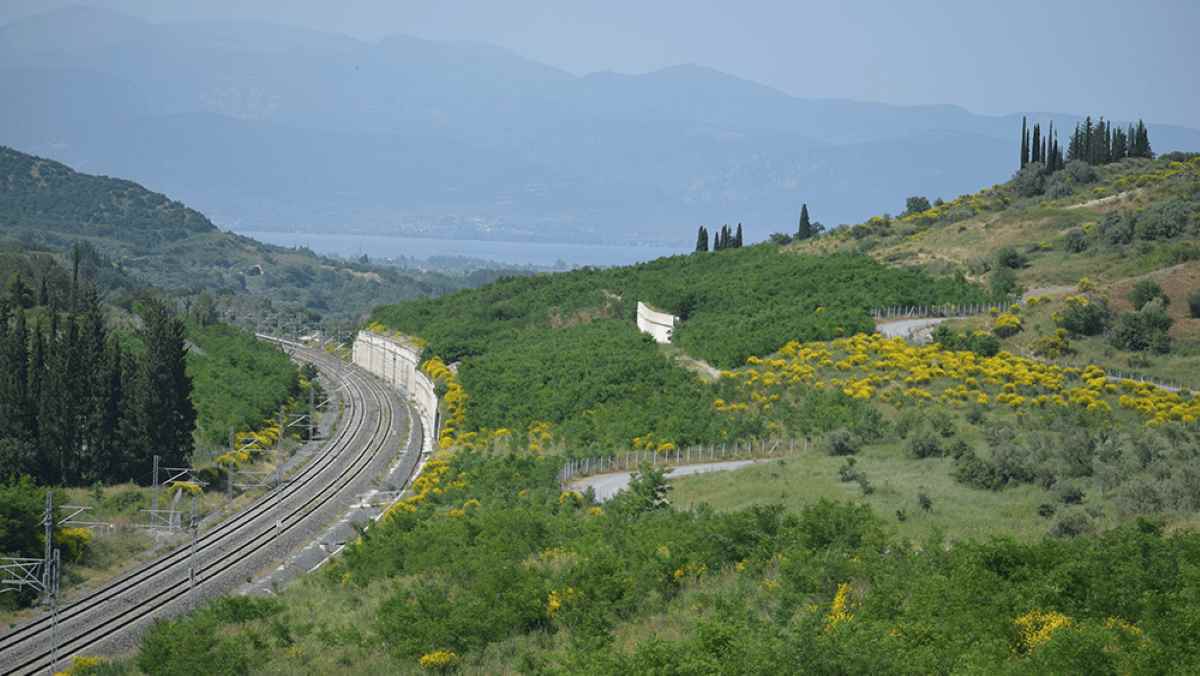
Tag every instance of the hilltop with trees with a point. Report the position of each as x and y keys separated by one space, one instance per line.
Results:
x=143 y=239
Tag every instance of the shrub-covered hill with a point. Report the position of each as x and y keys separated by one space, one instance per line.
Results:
x=564 y=348
x=39 y=193
x=144 y=239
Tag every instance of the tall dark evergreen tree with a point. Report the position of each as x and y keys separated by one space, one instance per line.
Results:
x=1035 y=148
x=737 y=238
x=1141 y=141
x=110 y=461
x=804 y=230
x=702 y=239
x=1024 y=142
x=160 y=400
x=36 y=397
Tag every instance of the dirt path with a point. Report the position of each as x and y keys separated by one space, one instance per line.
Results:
x=608 y=485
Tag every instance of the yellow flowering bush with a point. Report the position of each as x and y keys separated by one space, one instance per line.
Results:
x=839 y=609
x=556 y=599
x=873 y=367
x=439 y=660
x=1037 y=627
x=75 y=542
x=1006 y=324
x=81 y=664
x=454 y=401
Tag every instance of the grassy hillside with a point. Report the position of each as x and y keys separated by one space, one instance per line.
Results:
x=996 y=502
x=147 y=240
x=564 y=348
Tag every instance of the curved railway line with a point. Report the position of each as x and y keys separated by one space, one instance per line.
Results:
x=239 y=546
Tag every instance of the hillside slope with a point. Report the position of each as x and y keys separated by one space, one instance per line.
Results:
x=1096 y=231
x=143 y=238
x=960 y=508
x=42 y=194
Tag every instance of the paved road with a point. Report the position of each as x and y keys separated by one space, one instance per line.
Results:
x=917 y=330
x=608 y=485
x=373 y=427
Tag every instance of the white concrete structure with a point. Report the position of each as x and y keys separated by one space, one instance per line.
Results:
x=397 y=362
x=660 y=325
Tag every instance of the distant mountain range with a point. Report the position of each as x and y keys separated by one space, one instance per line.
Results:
x=268 y=127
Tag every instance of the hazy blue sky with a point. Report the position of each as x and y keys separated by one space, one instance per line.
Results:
x=1120 y=59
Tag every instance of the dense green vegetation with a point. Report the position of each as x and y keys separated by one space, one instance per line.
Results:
x=43 y=194
x=76 y=407
x=238 y=381
x=564 y=348
x=543 y=582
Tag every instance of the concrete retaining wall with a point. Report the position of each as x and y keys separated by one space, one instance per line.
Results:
x=660 y=325
x=397 y=362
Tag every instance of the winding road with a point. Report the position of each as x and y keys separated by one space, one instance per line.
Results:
x=375 y=425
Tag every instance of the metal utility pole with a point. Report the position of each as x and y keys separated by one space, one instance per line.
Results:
x=195 y=526
x=311 y=411
x=20 y=572
x=154 y=494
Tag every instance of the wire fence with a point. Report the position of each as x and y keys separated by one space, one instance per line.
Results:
x=944 y=310
x=627 y=461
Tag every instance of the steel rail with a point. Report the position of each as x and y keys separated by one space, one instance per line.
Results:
x=219 y=535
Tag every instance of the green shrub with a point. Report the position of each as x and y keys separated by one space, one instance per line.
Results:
x=1080 y=172
x=1003 y=283
x=1117 y=227
x=925 y=444
x=841 y=442
x=1143 y=330
x=1008 y=257
x=1076 y=240
x=982 y=344
x=1085 y=319
x=1030 y=180
x=1165 y=220
x=1194 y=303
x=1146 y=290
x=1071 y=524
x=971 y=470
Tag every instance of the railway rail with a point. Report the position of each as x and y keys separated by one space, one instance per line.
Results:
x=238 y=547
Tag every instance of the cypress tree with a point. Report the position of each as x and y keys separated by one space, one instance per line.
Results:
x=804 y=230
x=1024 y=142
x=109 y=463
x=1142 y=141
x=15 y=420
x=1035 y=155
x=737 y=239
x=164 y=417
x=1088 y=155
x=92 y=382
x=36 y=402
x=702 y=239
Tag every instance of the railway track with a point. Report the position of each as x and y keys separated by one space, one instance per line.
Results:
x=239 y=546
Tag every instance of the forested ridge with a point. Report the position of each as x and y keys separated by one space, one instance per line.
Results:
x=142 y=239
x=41 y=193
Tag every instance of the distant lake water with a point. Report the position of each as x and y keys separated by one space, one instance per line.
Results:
x=514 y=253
